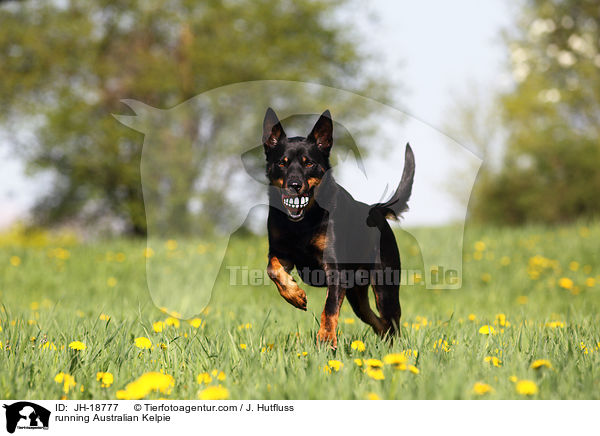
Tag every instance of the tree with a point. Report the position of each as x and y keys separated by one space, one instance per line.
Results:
x=68 y=65
x=551 y=118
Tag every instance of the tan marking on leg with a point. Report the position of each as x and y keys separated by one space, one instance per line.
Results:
x=329 y=321
x=286 y=284
x=327 y=329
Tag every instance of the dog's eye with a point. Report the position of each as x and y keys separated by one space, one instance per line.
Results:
x=309 y=164
x=283 y=162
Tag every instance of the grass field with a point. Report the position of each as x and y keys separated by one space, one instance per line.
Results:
x=537 y=288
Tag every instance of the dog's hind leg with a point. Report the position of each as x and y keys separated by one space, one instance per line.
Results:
x=358 y=297
x=386 y=283
x=286 y=285
x=387 y=299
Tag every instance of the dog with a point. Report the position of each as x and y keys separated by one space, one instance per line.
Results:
x=330 y=238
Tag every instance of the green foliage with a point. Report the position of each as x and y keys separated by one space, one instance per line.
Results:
x=551 y=117
x=68 y=64
x=58 y=296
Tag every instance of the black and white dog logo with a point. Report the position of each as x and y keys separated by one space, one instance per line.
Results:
x=26 y=415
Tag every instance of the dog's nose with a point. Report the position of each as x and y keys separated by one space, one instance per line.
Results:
x=296 y=185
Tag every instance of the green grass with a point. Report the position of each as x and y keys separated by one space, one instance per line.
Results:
x=46 y=298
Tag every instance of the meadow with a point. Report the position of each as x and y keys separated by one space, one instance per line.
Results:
x=77 y=322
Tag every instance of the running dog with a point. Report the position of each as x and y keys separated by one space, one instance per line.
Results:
x=330 y=238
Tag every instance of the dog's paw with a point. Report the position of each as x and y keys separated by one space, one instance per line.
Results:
x=297 y=298
x=326 y=337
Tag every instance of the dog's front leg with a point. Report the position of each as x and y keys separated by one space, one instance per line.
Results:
x=286 y=285
x=331 y=312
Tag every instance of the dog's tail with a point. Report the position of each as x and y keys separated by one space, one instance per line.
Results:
x=392 y=208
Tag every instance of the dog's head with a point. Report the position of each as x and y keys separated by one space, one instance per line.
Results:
x=297 y=165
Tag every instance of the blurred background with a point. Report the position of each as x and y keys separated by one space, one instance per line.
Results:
x=516 y=83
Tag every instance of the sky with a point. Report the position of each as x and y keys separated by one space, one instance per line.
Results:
x=436 y=50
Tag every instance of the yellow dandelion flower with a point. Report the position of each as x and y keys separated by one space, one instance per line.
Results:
x=358 y=362
x=304 y=353
x=397 y=360
x=171 y=245
x=375 y=373
x=158 y=326
x=326 y=369
x=336 y=365
x=195 y=322
x=348 y=320
x=143 y=343
x=358 y=346
x=48 y=346
x=111 y=282
x=505 y=261
x=148 y=252
x=213 y=393
x=77 y=346
x=104 y=317
x=204 y=378
x=480 y=388
x=513 y=378
x=145 y=384
x=493 y=360
x=374 y=363
x=565 y=283
x=472 y=317
x=172 y=321
x=219 y=375
x=526 y=387
x=67 y=380
x=373 y=396
x=243 y=346
x=106 y=378
x=486 y=330
x=574 y=266
x=480 y=246
x=486 y=277
x=537 y=364
x=15 y=260
x=590 y=282
x=501 y=319
x=413 y=369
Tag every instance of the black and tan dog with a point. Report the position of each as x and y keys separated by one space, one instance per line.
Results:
x=331 y=239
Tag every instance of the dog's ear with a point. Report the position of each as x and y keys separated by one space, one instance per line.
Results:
x=272 y=131
x=322 y=132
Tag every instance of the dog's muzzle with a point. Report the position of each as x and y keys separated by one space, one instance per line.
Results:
x=295 y=204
